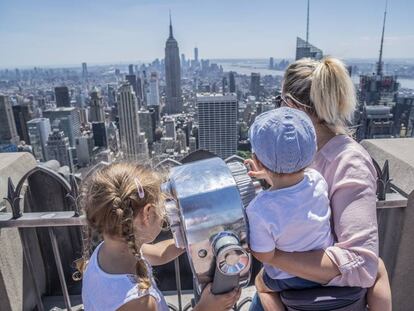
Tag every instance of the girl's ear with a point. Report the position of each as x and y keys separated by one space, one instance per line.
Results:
x=146 y=214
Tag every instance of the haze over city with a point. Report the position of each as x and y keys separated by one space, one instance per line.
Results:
x=56 y=33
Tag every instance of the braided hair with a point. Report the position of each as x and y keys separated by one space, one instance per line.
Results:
x=111 y=201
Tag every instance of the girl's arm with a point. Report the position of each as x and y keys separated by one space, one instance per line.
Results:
x=161 y=253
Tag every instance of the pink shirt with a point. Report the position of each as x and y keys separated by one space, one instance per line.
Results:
x=351 y=177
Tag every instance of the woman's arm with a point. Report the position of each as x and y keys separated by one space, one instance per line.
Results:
x=313 y=265
x=161 y=252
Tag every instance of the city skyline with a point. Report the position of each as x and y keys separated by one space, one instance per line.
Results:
x=105 y=32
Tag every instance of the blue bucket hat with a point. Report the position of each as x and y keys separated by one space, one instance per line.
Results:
x=283 y=139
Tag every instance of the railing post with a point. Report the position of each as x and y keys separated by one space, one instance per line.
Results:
x=178 y=281
x=58 y=262
x=28 y=260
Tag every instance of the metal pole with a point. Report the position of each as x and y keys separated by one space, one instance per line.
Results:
x=28 y=259
x=178 y=281
x=58 y=261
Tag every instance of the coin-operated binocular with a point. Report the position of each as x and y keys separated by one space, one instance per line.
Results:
x=206 y=212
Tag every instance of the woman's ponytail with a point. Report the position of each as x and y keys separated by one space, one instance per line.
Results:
x=333 y=94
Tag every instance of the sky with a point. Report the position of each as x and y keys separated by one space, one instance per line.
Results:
x=69 y=32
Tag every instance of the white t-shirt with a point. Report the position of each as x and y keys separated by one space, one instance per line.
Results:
x=102 y=291
x=292 y=219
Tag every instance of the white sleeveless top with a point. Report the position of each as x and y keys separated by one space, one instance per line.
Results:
x=102 y=291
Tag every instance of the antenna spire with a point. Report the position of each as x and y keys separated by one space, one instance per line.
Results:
x=379 y=64
x=307 y=26
x=171 y=29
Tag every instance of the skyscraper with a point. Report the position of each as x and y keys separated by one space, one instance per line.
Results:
x=196 y=54
x=100 y=134
x=174 y=102
x=217 y=117
x=232 y=82
x=62 y=96
x=67 y=119
x=130 y=69
x=146 y=126
x=8 y=131
x=129 y=123
x=304 y=48
x=153 y=93
x=271 y=63
x=255 y=84
x=39 y=130
x=58 y=148
x=96 y=109
x=170 y=128
x=132 y=80
x=21 y=116
x=84 y=71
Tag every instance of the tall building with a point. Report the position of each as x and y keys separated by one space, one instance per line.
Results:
x=67 y=119
x=22 y=115
x=271 y=63
x=62 y=96
x=153 y=93
x=376 y=122
x=196 y=54
x=146 y=125
x=303 y=48
x=129 y=123
x=170 y=128
x=8 y=131
x=174 y=103
x=100 y=134
x=224 y=85
x=96 y=109
x=84 y=71
x=255 y=84
x=130 y=69
x=232 y=82
x=378 y=88
x=58 y=148
x=39 y=130
x=84 y=149
x=217 y=118
x=132 y=80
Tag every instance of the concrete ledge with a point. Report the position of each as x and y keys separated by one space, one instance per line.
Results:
x=400 y=154
x=15 y=290
x=396 y=226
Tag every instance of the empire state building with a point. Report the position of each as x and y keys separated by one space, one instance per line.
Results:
x=174 y=102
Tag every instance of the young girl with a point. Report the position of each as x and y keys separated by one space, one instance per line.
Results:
x=123 y=203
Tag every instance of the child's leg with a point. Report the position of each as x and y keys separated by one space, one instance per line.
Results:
x=379 y=295
x=270 y=300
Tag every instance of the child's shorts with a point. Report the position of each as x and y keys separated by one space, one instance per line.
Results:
x=279 y=285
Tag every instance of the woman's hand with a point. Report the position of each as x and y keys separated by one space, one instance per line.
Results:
x=224 y=302
x=256 y=172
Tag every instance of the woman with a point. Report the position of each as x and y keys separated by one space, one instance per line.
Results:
x=324 y=90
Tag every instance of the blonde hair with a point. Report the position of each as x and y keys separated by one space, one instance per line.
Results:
x=111 y=201
x=325 y=87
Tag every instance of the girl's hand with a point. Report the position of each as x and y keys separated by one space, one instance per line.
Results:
x=256 y=172
x=224 y=302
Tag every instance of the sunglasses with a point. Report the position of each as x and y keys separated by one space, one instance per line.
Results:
x=281 y=101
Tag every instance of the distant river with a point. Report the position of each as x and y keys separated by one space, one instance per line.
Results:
x=247 y=69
